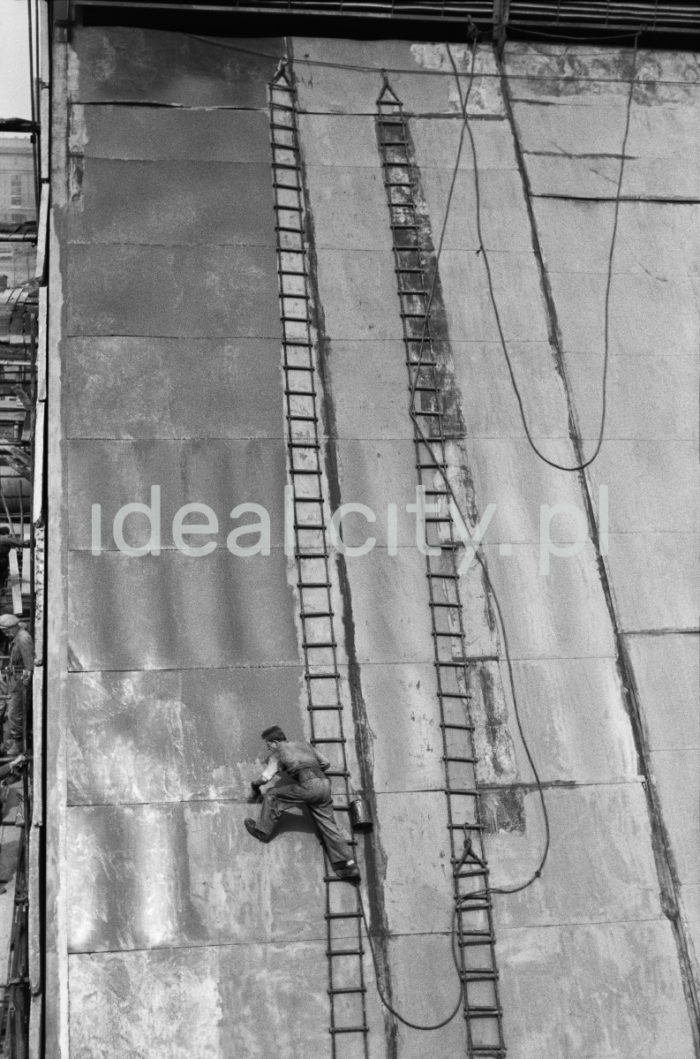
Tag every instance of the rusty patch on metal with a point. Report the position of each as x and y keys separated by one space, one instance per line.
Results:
x=503 y=810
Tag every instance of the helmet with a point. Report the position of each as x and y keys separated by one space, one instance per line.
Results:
x=8 y=621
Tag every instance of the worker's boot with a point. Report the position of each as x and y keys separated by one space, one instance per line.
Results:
x=347 y=869
x=253 y=829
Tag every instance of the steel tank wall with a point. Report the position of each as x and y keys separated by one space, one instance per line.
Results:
x=170 y=932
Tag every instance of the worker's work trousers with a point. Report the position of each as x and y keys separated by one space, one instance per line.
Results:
x=315 y=794
x=16 y=705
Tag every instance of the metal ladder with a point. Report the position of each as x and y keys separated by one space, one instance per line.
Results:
x=412 y=264
x=344 y=949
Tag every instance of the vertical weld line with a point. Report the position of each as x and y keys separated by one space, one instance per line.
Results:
x=283 y=83
x=386 y=99
x=660 y=839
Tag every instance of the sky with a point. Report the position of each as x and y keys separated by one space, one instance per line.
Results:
x=14 y=60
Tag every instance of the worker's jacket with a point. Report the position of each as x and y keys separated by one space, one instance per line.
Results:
x=300 y=760
x=21 y=654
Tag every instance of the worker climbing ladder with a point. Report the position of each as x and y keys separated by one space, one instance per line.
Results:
x=344 y=949
x=416 y=269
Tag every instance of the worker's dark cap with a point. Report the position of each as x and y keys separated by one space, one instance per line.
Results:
x=275 y=732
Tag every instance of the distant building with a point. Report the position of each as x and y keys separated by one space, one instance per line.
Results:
x=17 y=208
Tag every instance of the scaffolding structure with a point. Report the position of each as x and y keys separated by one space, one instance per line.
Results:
x=23 y=309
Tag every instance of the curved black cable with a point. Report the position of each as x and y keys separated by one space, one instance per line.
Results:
x=382 y=997
x=606 y=310
x=448 y=485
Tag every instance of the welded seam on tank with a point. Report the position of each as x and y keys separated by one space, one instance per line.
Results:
x=661 y=844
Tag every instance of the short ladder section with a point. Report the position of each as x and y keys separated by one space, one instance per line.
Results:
x=344 y=949
x=482 y=1007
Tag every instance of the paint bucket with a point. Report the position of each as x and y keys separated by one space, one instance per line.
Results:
x=360 y=814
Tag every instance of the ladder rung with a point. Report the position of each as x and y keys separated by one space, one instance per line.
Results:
x=317 y=647
x=321 y=676
x=337 y=707
x=482 y=1013
x=347 y=989
x=342 y=915
x=457 y=727
x=348 y=1029
x=475 y=937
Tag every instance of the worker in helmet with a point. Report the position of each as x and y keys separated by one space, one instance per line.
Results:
x=309 y=787
x=18 y=674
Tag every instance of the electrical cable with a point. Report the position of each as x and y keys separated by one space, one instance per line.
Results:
x=578 y=39
x=382 y=996
x=413 y=71
x=459 y=902
x=608 y=285
x=464 y=101
x=473 y=31
x=466 y=128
